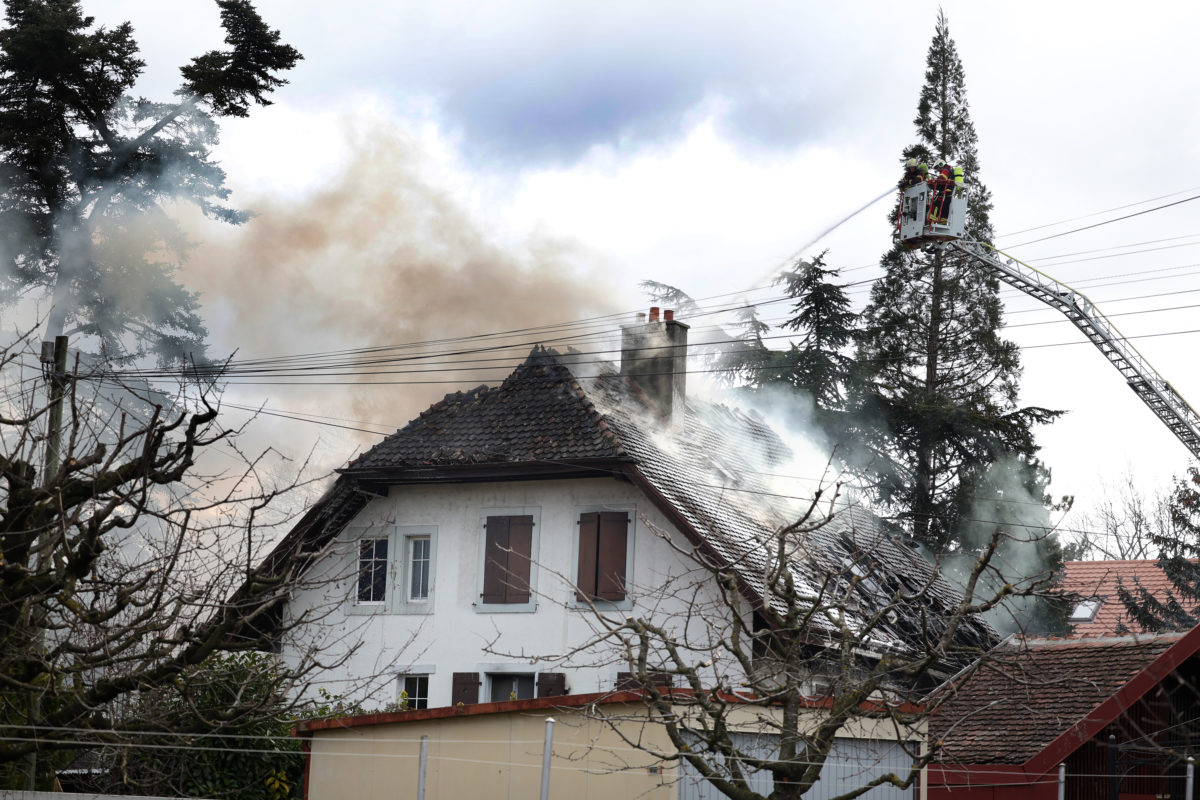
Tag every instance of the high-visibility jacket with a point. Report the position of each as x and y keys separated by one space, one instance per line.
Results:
x=958 y=176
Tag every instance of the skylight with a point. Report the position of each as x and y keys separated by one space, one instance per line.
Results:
x=1086 y=610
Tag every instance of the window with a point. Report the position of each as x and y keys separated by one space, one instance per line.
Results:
x=1085 y=611
x=414 y=691
x=396 y=571
x=603 y=555
x=372 y=571
x=509 y=686
x=419 y=556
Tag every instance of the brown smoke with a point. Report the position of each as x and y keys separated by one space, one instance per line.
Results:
x=378 y=257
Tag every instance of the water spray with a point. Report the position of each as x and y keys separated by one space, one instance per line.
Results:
x=792 y=258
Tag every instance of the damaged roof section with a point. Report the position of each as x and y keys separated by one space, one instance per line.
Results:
x=710 y=469
x=539 y=413
x=714 y=470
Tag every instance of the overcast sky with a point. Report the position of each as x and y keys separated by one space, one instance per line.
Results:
x=587 y=146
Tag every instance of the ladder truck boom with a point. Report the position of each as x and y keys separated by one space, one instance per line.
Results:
x=1146 y=382
x=932 y=212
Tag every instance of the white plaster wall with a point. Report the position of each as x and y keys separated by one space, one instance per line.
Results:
x=453 y=635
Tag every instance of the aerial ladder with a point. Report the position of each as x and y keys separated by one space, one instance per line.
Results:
x=933 y=213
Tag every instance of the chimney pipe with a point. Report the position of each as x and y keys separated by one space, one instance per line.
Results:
x=669 y=315
x=654 y=356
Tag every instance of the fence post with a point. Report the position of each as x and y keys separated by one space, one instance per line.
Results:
x=1191 y=779
x=421 y=768
x=546 y=753
x=1114 y=780
x=1062 y=782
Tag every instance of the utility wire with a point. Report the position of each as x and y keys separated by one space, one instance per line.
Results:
x=1105 y=222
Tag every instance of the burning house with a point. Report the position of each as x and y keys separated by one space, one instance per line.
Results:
x=472 y=556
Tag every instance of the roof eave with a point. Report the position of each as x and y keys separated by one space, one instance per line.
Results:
x=531 y=469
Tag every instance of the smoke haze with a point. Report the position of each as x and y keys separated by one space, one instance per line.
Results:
x=380 y=256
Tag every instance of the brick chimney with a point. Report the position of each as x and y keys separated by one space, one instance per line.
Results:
x=654 y=355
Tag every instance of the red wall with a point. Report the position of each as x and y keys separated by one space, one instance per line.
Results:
x=989 y=782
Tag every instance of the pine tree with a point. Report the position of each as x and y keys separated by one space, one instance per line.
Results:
x=85 y=169
x=940 y=381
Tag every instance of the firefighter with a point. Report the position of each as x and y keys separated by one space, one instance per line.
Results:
x=939 y=203
x=913 y=174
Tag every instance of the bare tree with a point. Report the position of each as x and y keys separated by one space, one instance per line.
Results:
x=756 y=665
x=1125 y=525
x=132 y=563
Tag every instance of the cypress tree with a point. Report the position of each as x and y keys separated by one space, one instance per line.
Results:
x=940 y=379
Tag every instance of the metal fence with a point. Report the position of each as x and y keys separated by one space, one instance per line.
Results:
x=851 y=763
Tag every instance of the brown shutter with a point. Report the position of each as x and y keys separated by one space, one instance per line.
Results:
x=464 y=688
x=551 y=684
x=589 y=532
x=495 y=559
x=625 y=681
x=610 y=555
x=520 y=543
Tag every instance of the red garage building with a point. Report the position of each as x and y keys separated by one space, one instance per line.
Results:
x=1121 y=713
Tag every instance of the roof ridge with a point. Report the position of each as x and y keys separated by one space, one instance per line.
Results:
x=541 y=355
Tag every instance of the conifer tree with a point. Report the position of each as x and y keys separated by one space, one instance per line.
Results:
x=940 y=380
x=86 y=168
x=1177 y=606
x=821 y=314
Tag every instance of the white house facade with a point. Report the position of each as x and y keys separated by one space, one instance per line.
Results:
x=477 y=554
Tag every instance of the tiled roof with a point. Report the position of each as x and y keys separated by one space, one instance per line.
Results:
x=539 y=412
x=1029 y=692
x=714 y=468
x=1100 y=579
x=711 y=470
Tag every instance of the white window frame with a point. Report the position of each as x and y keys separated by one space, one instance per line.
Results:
x=354 y=537
x=573 y=571
x=487 y=671
x=415 y=671
x=400 y=681
x=396 y=592
x=534 y=544
x=402 y=603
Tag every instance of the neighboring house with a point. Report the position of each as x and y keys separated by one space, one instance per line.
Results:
x=1099 y=610
x=1119 y=713
x=461 y=559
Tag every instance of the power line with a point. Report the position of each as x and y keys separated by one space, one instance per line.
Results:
x=1105 y=222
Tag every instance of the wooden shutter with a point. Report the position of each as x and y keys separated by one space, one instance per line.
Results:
x=464 y=688
x=589 y=534
x=508 y=547
x=626 y=683
x=495 y=559
x=551 y=684
x=520 y=544
x=611 y=550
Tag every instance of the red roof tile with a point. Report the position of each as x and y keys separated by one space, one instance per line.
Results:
x=1028 y=693
x=1100 y=579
